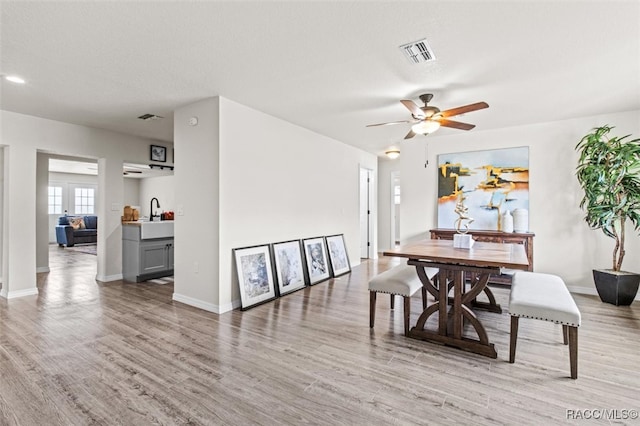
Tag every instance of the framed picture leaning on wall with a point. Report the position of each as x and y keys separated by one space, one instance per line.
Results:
x=255 y=276
x=289 y=266
x=315 y=253
x=338 y=255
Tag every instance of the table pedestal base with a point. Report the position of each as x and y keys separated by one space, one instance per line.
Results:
x=452 y=312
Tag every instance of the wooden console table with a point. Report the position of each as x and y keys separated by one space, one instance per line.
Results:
x=525 y=238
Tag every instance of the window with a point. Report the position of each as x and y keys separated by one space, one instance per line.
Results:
x=396 y=194
x=84 y=200
x=55 y=200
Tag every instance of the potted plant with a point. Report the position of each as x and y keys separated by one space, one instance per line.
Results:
x=609 y=172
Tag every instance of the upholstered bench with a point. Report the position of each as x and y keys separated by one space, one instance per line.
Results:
x=401 y=280
x=544 y=297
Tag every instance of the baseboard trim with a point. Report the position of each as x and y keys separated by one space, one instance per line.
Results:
x=590 y=291
x=582 y=290
x=206 y=306
x=108 y=278
x=41 y=269
x=19 y=293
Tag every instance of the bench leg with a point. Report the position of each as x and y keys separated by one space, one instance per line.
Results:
x=407 y=314
x=573 y=351
x=393 y=298
x=514 y=338
x=372 y=308
x=424 y=298
x=565 y=334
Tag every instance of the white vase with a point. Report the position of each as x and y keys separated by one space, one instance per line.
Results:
x=507 y=222
x=521 y=220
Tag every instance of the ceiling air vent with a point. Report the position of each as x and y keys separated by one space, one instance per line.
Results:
x=146 y=117
x=418 y=51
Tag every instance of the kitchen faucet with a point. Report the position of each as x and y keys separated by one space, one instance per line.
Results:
x=151 y=208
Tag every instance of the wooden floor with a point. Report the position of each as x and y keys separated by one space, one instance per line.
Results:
x=119 y=353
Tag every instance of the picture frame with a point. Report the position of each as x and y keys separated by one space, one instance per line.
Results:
x=338 y=255
x=255 y=275
x=158 y=153
x=317 y=262
x=289 y=266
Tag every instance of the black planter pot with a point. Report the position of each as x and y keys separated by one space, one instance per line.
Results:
x=617 y=288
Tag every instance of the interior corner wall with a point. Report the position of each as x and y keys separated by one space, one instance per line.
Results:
x=197 y=224
x=385 y=168
x=161 y=187
x=132 y=192
x=563 y=243
x=1 y=208
x=42 y=216
x=280 y=183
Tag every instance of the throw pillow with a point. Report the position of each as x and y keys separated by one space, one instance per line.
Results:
x=77 y=223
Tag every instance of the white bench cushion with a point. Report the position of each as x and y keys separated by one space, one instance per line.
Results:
x=401 y=280
x=544 y=297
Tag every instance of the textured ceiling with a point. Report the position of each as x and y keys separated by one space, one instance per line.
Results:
x=331 y=67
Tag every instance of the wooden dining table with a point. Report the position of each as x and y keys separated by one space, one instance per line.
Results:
x=456 y=265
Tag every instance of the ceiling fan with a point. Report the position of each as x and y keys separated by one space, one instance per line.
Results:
x=428 y=119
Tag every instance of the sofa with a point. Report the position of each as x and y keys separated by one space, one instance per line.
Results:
x=72 y=230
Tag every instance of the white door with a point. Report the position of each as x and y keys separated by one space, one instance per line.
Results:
x=365 y=214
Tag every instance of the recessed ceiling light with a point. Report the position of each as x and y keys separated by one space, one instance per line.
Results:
x=15 y=79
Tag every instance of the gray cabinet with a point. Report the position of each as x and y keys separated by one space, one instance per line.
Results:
x=145 y=259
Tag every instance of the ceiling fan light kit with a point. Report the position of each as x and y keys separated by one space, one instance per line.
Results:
x=428 y=119
x=425 y=127
x=392 y=153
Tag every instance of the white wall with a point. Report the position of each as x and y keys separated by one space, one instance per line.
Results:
x=1 y=207
x=564 y=244
x=132 y=192
x=42 y=216
x=197 y=222
x=385 y=168
x=24 y=136
x=288 y=183
x=283 y=182
x=161 y=187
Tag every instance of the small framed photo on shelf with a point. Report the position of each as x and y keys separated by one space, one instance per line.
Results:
x=338 y=255
x=255 y=276
x=289 y=266
x=315 y=252
x=158 y=153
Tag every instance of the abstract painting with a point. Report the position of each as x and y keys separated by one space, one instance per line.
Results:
x=490 y=182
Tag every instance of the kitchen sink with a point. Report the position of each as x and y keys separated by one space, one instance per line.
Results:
x=150 y=230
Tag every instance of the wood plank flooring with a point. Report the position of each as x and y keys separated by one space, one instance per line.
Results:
x=120 y=353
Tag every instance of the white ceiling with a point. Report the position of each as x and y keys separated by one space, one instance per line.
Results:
x=331 y=67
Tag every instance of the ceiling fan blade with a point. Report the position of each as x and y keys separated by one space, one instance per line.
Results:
x=463 y=109
x=410 y=134
x=456 y=124
x=390 y=122
x=415 y=109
